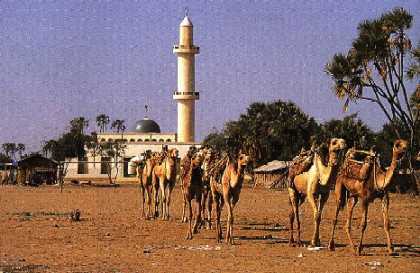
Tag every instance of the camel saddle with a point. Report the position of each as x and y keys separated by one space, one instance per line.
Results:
x=300 y=164
x=356 y=169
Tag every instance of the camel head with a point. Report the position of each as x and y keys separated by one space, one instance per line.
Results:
x=399 y=149
x=243 y=159
x=173 y=153
x=197 y=160
x=336 y=145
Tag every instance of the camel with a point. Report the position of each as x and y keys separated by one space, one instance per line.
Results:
x=315 y=185
x=207 y=199
x=145 y=178
x=165 y=172
x=228 y=192
x=183 y=170
x=350 y=189
x=192 y=186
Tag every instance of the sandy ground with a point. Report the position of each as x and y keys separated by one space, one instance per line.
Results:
x=36 y=235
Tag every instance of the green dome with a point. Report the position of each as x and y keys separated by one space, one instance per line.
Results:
x=146 y=126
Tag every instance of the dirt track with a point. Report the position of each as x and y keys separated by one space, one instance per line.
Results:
x=36 y=235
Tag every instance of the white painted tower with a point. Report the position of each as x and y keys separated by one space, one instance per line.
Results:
x=186 y=94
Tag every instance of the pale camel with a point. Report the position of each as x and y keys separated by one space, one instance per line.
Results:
x=315 y=185
x=192 y=189
x=228 y=192
x=166 y=174
x=349 y=190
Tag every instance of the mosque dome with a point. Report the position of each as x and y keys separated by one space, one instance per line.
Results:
x=146 y=125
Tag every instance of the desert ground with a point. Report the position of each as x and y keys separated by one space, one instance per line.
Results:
x=37 y=235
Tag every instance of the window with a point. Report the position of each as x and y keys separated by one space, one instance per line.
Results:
x=82 y=166
x=105 y=164
x=161 y=140
x=132 y=140
x=139 y=140
x=168 y=140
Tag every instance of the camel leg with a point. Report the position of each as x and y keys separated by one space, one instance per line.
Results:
x=168 y=201
x=189 y=235
x=365 y=206
x=204 y=195
x=352 y=201
x=143 y=197
x=149 y=201
x=156 y=200
x=322 y=201
x=314 y=205
x=184 y=205
x=209 y=209
x=385 y=212
x=198 y=216
x=338 y=198
x=229 y=238
x=292 y=214
x=163 y=201
x=218 y=202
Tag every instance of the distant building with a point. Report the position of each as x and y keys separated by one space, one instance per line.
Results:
x=146 y=133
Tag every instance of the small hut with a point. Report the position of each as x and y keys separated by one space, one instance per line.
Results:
x=272 y=175
x=36 y=170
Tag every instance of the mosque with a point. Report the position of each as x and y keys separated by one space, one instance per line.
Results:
x=146 y=133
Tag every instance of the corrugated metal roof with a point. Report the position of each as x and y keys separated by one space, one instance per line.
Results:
x=272 y=166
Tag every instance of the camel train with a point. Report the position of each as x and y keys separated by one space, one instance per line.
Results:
x=209 y=178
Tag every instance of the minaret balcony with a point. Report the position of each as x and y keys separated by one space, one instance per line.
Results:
x=186 y=95
x=186 y=49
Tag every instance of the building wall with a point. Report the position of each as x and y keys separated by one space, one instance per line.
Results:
x=133 y=149
x=135 y=137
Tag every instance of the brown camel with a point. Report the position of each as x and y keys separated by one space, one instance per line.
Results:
x=315 y=185
x=192 y=189
x=184 y=167
x=166 y=174
x=146 y=185
x=207 y=199
x=350 y=189
x=228 y=192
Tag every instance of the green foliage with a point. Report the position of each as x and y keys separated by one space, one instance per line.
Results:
x=4 y=158
x=353 y=130
x=70 y=144
x=267 y=131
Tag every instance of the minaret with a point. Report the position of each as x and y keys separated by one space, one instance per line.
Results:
x=186 y=95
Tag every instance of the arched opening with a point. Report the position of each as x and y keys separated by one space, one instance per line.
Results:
x=161 y=140
x=168 y=140
x=132 y=140
x=139 y=140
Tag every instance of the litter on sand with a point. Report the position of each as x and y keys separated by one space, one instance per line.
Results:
x=315 y=248
x=200 y=247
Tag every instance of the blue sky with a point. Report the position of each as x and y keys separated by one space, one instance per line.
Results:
x=61 y=59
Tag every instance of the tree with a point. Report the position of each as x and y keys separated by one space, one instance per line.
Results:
x=373 y=70
x=10 y=149
x=115 y=151
x=267 y=131
x=353 y=130
x=102 y=122
x=79 y=125
x=20 y=149
x=118 y=125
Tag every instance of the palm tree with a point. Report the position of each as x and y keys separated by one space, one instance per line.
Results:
x=79 y=124
x=118 y=125
x=102 y=122
x=374 y=69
